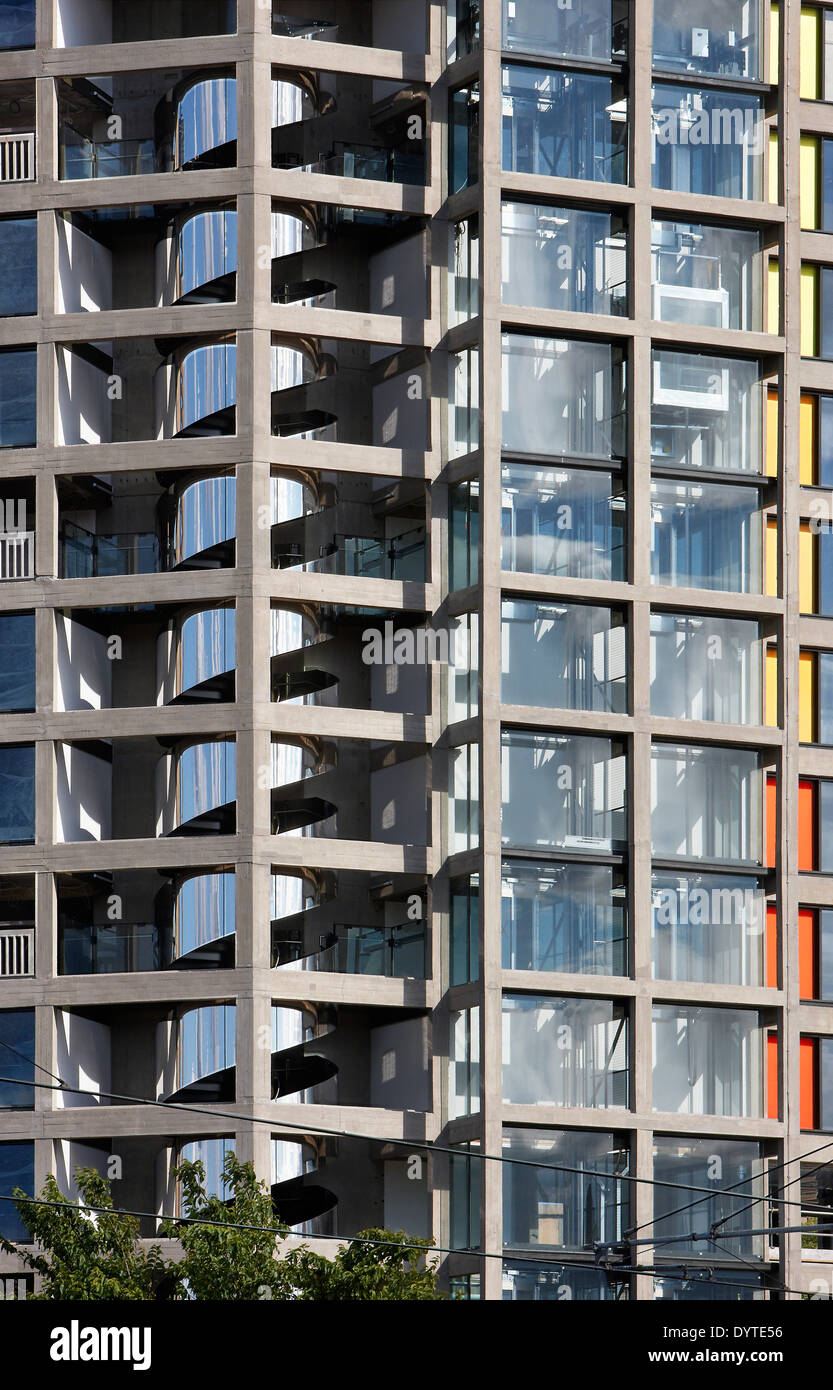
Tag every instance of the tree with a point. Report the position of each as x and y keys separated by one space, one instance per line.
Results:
x=231 y=1251
x=90 y=1257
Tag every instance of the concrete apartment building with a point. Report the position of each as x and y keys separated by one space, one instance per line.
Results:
x=416 y=624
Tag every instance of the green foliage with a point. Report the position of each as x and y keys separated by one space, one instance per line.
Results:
x=234 y=1256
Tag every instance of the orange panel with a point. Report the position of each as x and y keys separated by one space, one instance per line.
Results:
x=771 y=947
x=807 y=1061
x=772 y=426
x=772 y=1076
x=807 y=953
x=806 y=826
x=771 y=820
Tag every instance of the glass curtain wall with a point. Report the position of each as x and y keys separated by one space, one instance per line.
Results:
x=563 y=656
x=563 y=397
x=571 y=1052
x=564 y=916
x=563 y=792
x=564 y=124
x=543 y=1207
x=706 y=803
x=708 y=1061
x=563 y=258
x=704 y=667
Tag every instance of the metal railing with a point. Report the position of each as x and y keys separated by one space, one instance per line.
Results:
x=17 y=555
x=17 y=157
x=17 y=951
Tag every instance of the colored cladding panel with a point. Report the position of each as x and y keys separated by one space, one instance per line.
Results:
x=807 y=718
x=806 y=570
x=774 y=44
x=773 y=297
x=809 y=311
x=772 y=1076
x=809 y=85
x=772 y=947
x=774 y=159
x=771 y=820
x=808 y=181
x=771 y=560
x=808 y=1064
x=771 y=688
x=807 y=440
x=806 y=826
x=808 y=935
x=773 y=421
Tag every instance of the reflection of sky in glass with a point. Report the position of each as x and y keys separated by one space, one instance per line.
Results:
x=207 y=382
x=706 y=802
x=211 y=1153
x=205 y=779
x=706 y=536
x=207 y=248
x=206 y=1042
x=206 y=646
x=574 y=31
x=17 y=794
x=708 y=927
x=205 y=516
x=207 y=117
x=204 y=910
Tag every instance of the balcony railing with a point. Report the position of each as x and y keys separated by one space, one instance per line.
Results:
x=106 y=159
x=113 y=948
x=370 y=162
x=88 y=556
x=394 y=952
x=17 y=157
x=17 y=555
x=17 y=951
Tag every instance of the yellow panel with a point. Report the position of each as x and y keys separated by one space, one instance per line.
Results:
x=809 y=314
x=773 y=287
x=806 y=697
x=771 y=574
x=810 y=36
x=774 y=42
x=773 y=415
x=808 y=181
x=806 y=569
x=771 y=688
x=807 y=441
x=772 y=195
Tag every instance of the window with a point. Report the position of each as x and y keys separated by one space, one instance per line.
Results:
x=709 y=276
x=709 y=142
x=562 y=397
x=709 y=928
x=17 y=1169
x=464 y=1064
x=704 y=667
x=18 y=369
x=718 y=1163
x=708 y=1061
x=464 y=930
x=722 y=39
x=596 y=30
x=563 y=791
x=563 y=521
x=543 y=1207
x=707 y=412
x=17 y=30
x=463 y=402
x=19 y=257
x=816 y=1063
x=564 y=124
x=816 y=39
x=545 y=1284
x=17 y=794
x=815 y=953
x=17 y=662
x=564 y=917
x=464 y=136
x=570 y=1052
x=563 y=258
x=464 y=1181
x=706 y=536
x=17 y=1053
x=464 y=270
x=707 y=803
x=563 y=656
x=464 y=534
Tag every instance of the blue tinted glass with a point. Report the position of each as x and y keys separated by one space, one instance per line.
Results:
x=17 y=24
x=17 y=1169
x=825 y=468
x=707 y=141
x=825 y=830
x=825 y=572
x=17 y=661
x=17 y=794
x=826 y=1083
x=18 y=377
x=827 y=186
x=826 y=954
x=17 y=1051
x=19 y=258
x=826 y=308
x=564 y=124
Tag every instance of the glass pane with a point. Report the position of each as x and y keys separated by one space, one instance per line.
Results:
x=563 y=396
x=826 y=954
x=464 y=270
x=825 y=833
x=825 y=568
x=571 y=1052
x=18 y=378
x=563 y=656
x=17 y=30
x=543 y=1207
x=19 y=258
x=709 y=928
x=464 y=157
x=563 y=791
x=827 y=185
x=704 y=667
x=563 y=521
x=709 y=276
x=826 y=311
x=721 y=38
x=718 y=1163
x=708 y=1061
x=17 y=1053
x=464 y=930
x=708 y=142
x=464 y=1063
x=17 y=661
x=706 y=536
x=463 y=402
x=706 y=803
x=825 y=468
x=563 y=258
x=568 y=917
x=567 y=125
x=826 y=1083
x=824 y=667
x=17 y=794
x=706 y=411
x=594 y=29
x=545 y=1283
x=17 y=1169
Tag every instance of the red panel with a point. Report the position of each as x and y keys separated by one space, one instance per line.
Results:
x=771 y=820
x=808 y=929
x=806 y=826
x=772 y=1076
x=772 y=947
x=809 y=1106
